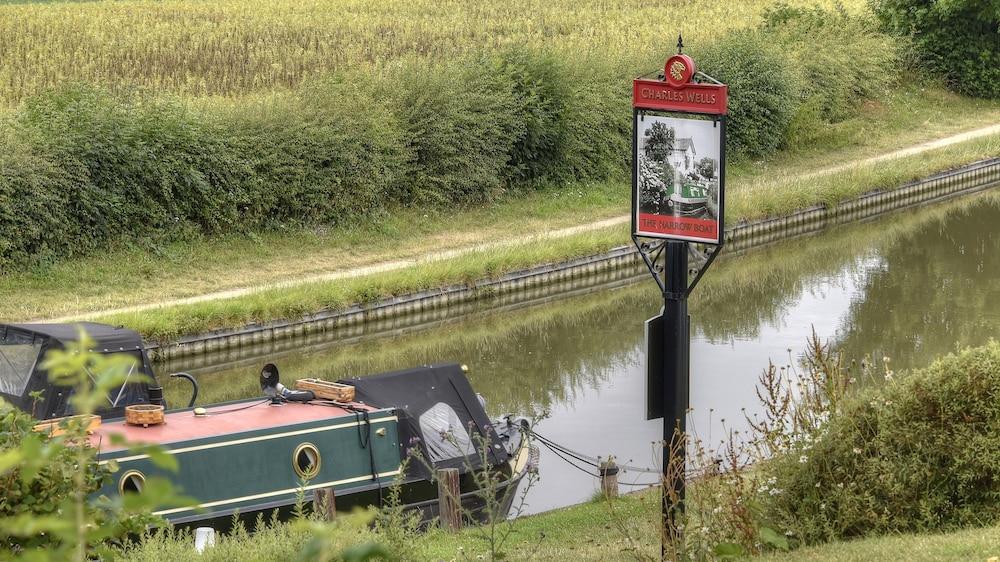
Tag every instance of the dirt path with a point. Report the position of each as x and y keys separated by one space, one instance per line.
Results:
x=383 y=267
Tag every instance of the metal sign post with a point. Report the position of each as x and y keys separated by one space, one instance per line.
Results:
x=678 y=200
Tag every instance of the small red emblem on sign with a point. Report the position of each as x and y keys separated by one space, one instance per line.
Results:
x=679 y=70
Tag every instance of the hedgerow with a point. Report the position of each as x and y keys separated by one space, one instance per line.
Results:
x=957 y=40
x=83 y=167
x=916 y=454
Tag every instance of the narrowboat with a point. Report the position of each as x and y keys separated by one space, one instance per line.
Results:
x=261 y=454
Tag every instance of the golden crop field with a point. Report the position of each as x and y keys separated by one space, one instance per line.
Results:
x=234 y=47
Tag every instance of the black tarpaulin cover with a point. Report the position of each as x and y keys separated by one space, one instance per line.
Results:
x=23 y=348
x=439 y=414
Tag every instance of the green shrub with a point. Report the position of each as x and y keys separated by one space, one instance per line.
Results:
x=38 y=491
x=598 y=126
x=460 y=124
x=541 y=90
x=330 y=153
x=958 y=40
x=837 y=59
x=763 y=97
x=917 y=454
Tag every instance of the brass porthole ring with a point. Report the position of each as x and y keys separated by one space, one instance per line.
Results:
x=306 y=460
x=131 y=482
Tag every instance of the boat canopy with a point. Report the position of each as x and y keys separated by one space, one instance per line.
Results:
x=439 y=415
x=22 y=351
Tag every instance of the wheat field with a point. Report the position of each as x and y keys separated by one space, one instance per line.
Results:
x=235 y=47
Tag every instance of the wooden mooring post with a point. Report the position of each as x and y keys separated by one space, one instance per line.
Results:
x=449 y=499
x=325 y=503
x=609 y=478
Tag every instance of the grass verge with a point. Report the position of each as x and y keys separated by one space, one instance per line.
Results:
x=271 y=304
x=599 y=531
x=127 y=276
x=960 y=546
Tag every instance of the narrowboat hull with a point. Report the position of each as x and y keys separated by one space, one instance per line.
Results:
x=245 y=473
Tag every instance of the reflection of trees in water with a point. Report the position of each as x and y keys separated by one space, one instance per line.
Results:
x=754 y=289
x=538 y=356
x=518 y=360
x=937 y=289
x=743 y=293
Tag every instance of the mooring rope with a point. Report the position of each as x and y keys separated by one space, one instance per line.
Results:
x=587 y=459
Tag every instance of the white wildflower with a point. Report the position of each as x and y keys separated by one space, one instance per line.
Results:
x=857 y=451
x=803 y=459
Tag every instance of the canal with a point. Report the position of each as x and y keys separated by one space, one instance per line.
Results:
x=911 y=286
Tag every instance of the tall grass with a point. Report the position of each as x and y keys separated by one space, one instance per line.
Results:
x=233 y=47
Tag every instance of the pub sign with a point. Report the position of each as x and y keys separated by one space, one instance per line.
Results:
x=678 y=155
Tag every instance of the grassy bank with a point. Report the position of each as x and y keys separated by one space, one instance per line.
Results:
x=104 y=144
x=132 y=273
x=625 y=529
x=135 y=284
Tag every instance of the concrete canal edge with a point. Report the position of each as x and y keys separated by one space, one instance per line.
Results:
x=618 y=264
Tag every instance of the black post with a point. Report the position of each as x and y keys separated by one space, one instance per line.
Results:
x=676 y=380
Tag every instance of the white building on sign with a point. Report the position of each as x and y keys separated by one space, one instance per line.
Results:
x=682 y=157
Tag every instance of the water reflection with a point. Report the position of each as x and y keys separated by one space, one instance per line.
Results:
x=911 y=286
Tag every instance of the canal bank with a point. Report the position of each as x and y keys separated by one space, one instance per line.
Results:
x=912 y=286
x=619 y=263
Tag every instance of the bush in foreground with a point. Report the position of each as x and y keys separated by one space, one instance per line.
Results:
x=917 y=454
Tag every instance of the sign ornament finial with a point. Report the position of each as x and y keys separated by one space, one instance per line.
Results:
x=680 y=44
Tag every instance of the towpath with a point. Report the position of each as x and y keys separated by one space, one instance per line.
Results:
x=387 y=266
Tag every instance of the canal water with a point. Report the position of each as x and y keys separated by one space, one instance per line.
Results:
x=911 y=286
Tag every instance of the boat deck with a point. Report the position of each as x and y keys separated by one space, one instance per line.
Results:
x=225 y=419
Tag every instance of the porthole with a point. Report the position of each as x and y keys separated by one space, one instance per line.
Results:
x=306 y=460
x=131 y=482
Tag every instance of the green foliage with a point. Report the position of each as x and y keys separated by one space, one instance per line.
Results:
x=45 y=513
x=460 y=124
x=917 y=454
x=763 y=95
x=802 y=69
x=837 y=60
x=37 y=474
x=958 y=39
x=82 y=168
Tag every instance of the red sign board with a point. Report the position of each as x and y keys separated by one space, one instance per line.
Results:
x=677 y=91
x=679 y=154
x=694 y=98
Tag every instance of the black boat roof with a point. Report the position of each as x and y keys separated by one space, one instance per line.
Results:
x=106 y=338
x=23 y=375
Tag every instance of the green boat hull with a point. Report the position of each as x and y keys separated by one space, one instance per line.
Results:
x=254 y=470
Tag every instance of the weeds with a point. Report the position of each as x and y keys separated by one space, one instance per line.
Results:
x=496 y=499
